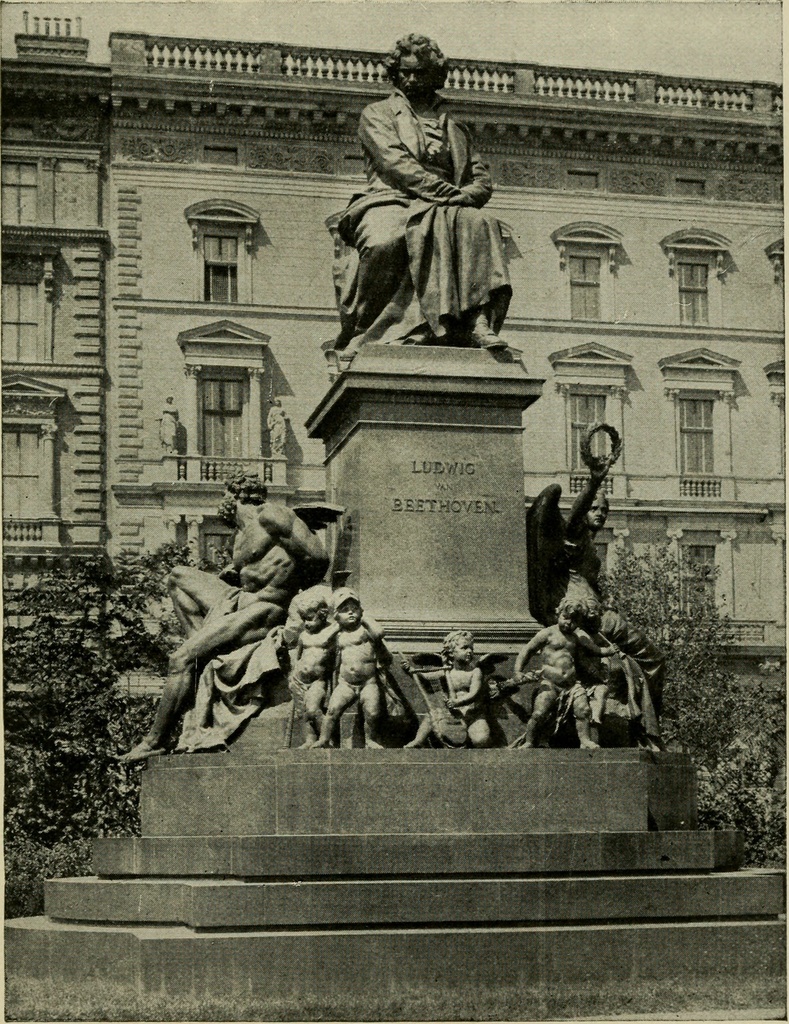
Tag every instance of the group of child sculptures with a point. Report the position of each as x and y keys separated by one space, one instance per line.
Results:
x=269 y=615
x=341 y=657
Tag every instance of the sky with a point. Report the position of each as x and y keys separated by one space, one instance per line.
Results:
x=728 y=39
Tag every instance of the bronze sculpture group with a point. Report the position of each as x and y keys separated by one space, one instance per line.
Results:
x=426 y=265
x=267 y=617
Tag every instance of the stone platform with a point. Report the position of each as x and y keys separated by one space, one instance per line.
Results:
x=345 y=871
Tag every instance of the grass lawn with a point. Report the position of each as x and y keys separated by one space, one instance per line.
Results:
x=105 y=1001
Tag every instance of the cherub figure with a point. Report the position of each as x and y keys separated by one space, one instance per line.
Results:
x=560 y=693
x=360 y=651
x=314 y=663
x=462 y=691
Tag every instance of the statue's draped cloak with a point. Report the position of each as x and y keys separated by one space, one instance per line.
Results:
x=415 y=263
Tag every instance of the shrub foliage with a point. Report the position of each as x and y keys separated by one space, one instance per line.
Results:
x=71 y=637
x=734 y=728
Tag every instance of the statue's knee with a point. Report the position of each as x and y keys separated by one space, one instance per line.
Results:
x=175 y=577
x=543 y=705
x=581 y=709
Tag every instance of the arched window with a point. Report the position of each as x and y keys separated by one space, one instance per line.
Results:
x=223 y=238
x=589 y=255
x=698 y=261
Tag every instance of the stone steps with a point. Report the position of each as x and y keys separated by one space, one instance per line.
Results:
x=327 y=856
x=233 y=903
x=356 y=962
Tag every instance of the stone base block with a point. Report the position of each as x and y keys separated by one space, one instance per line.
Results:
x=374 y=792
x=345 y=962
x=417 y=854
x=233 y=903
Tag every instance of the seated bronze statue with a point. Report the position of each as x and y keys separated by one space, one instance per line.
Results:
x=427 y=264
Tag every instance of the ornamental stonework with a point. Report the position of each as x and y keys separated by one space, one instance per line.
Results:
x=22 y=269
x=153 y=149
x=278 y=156
x=745 y=188
x=524 y=174
x=637 y=180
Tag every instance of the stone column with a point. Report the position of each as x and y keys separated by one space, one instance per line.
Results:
x=728 y=398
x=255 y=406
x=565 y=390
x=672 y=394
x=724 y=559
x=189 y=417
x=193 y=535
x=778 y=534
x=619 y=396
x=171 y=528
x=47 y=467
x=777 y=398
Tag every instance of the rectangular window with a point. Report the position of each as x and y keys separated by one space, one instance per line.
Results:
x=583 y=179
x=695 y=431
x=693 y=304
x=20 y=323
x=585 y=287
x=21 y=499
x=700 y=581
x=695 y=187
x=216 y=543
x=221 y=268
x=585 y=410
x=222 y=407
x=601 y=550
x=220 y=155
x=19 y=191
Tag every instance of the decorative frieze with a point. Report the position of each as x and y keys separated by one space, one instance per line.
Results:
x=280 y=156
x=22 y=269
x=745 y=188
x=528 y=174
x=637 y=180
x=159 y=149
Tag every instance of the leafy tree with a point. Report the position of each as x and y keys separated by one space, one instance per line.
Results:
x=733 y=728
x=71 y=636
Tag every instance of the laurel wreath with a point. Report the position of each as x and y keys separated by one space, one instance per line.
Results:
x=600 y=463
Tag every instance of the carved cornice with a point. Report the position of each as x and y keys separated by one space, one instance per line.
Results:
x=26 y=238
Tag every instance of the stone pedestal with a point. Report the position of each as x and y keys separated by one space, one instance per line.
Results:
x=344 y=872
x=424 y=448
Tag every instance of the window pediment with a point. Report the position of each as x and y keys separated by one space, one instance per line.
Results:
x=30 y=398
x=700 y=369
x=223 y=343
x=592 y=364
x=698 y=242
x=220 y=213
x=590 y=236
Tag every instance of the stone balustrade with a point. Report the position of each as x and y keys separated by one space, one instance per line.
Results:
x=700 y=487
x=580 y=85
x=747 y=632
x=337 y=66
x=31 y=531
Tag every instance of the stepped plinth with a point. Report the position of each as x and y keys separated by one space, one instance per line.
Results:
x=344 y=871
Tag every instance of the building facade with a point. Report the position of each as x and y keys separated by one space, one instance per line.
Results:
x=643 y=225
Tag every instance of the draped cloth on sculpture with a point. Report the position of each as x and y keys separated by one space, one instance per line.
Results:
x=232 y=687
x=414 y=261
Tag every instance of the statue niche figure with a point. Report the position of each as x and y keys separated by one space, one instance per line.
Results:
x=563 y=564
x=277 y=424
x=276 y=554
x=429 y=264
